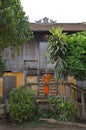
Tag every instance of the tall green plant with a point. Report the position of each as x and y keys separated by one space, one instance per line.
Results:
x=67 y=112
x=57 y=51
x=63 y=110
x=54 y=104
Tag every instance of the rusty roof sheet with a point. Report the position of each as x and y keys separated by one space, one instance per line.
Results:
x=66 y=26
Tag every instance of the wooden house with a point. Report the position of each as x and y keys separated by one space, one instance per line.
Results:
x=29 y=67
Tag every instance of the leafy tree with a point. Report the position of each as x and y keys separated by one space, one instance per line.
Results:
x=2 y=66
x=77 y=55
x=14 y=25
x=68 y=53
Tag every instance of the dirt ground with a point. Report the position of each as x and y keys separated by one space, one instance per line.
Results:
x=9 y=126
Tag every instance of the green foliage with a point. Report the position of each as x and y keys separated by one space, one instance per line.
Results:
x=59 y=109
x=47 y=113
x=54 y=103
x=77 y=55
x=67 y=112
x=14 y=25
x=57 y=49
x=68 y=53
x=63 y=110
x=2 y=66
x=51 y=110
x=22 y=101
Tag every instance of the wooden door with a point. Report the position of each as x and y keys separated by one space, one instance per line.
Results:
x=9 y=83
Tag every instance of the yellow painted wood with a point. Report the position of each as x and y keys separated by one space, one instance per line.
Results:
x=65 y=90
x=19 y=80
x=32 y=79
x=19 y=77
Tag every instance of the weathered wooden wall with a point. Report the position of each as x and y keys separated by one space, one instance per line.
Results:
x=81 y=84
x=32 y=82
x=36 y=49
x=13 y=62
x=3 y=82
x=65 y=90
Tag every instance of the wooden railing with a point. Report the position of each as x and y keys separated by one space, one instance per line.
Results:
x=74 y=94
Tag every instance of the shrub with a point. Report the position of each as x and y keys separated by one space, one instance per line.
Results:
x=54 y=103
x=22 y=101
x=63 y=110
x=67 y=111
x=50 y=111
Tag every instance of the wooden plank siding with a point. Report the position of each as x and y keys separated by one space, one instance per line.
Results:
x=9 y=83
x=36 y=49
x=30 y=51
x=14 y=62
x=44 y=63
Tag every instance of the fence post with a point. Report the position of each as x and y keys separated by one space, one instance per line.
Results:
x=83 y=104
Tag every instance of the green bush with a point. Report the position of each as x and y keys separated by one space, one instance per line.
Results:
x=51 y=111
x=63 y=110
x=54 y=103
x=67 y=111
x=21 y=104
x=40 y=113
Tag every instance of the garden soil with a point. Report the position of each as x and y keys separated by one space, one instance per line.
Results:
x=10 y=126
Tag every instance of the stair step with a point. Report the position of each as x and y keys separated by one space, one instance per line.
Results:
x=52 y=86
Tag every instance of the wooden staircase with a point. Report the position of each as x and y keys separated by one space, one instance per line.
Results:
x=74 y=94
x=52 y=86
